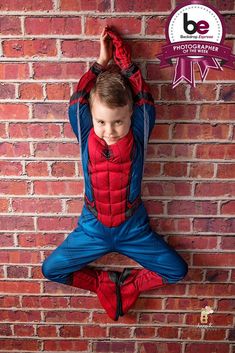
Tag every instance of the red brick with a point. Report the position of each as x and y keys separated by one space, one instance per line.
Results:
x=9 y=301
x=53 y=25
x=194 y=275
x=119 y=332
x=226 y=171
x=37 y=169
x=145 y=49
x=226 y=304
x=167 y=332
x=50 y=111
x=211 y=289
x=58 y=91
x=17 y=272
x=80 y=48
x=94 y=25
x=50 y=223
x=46 y=331
x=159 y=150
x=19 y=344
x=38 y=239
x=26 y=5
x=18 y=149
x=14 y=111
x=11 y=168
x=83 y=5
x=215 y=334
x=168 y=94
x=175 y=169
x=217 y=275
x=187 y=303
x=4 y=204
x=200 y=131
x=190 y=333
x=56 y=149
x=15 y=187
x=145 y=332
x=114 y=347
x=216 y=111
x=14 y=71
x=3 y=128
x=58 y=70
x=156 y=347
x=10 y=25
x=228 y=243
x=152 y=169
x=192 y=242
x=227 y=93
x=183 y=150
x=19 y=287
x=66 y=345
x=154 y=72
x=30 y=91
x=215 y=152
x=5 y=330
x=29 y=48
x=20 y=256
x=37 y=206
x=23 y=330
x=166 y=189
x=70 y=331
x=215 y=189
x=192 y=207
x=148 y=304
x=44 y=302
x=217 y=225
x=176 y=112
x=227 y=259
x=58 y=187
x=86 y=302
x=155 y=25
x=7 y=91
x=154 y=207
x=34 y=130
x=74 y=206
x=66 y=316
x=201 y=170
x=142 y=6
x=229 y=24
x=207 y=347
x=161 y=132
x=63 y=169
x=203 y=92
x=6 y=239
x=97 y=331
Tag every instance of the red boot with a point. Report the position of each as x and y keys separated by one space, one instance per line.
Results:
x=105 y=284
x=133 y=282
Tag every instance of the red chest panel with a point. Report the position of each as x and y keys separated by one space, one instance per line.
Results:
x=109 y=169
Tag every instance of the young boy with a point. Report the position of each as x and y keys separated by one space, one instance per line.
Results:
x=112 y=115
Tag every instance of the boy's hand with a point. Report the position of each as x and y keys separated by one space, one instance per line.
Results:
x=106 y=49
x=122 y=52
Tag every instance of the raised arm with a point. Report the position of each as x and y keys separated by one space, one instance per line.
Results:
x=143 y=100
x=80 y=97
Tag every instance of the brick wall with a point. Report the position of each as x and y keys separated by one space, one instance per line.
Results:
x=188 y=189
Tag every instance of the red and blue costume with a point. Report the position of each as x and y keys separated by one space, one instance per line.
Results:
x=114 y=218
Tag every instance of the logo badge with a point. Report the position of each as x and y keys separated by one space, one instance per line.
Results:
x=195 y=33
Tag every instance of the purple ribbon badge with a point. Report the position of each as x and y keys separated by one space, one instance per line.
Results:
x=193 y=40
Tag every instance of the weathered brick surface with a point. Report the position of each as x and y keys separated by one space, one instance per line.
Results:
x=188 y=187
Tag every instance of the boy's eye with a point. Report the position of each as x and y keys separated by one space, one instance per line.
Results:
x=101 y=122
x=118 y=122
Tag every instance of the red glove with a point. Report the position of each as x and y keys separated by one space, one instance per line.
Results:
x=122 y=52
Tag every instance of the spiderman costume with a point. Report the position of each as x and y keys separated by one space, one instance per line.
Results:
x=113 y=217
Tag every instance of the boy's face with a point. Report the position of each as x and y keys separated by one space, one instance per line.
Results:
x=110 y=124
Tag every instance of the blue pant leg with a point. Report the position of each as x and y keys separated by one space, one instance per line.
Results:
x=79 y=249
x=147 y=248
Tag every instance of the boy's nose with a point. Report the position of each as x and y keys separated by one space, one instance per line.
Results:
x=109 y=130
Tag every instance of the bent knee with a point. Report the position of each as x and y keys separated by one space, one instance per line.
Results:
x=179 y=273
